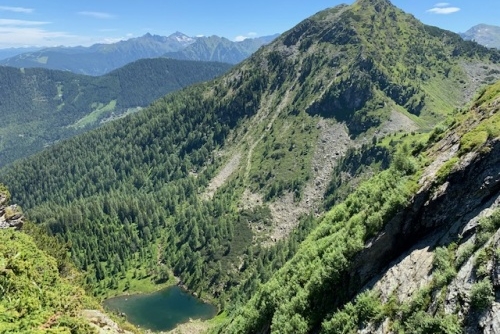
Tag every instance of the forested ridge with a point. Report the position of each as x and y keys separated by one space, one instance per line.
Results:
x=136 y=199
x=40 y=107
x=134 y=192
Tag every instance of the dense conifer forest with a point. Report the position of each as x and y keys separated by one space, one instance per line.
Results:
x=40 y=107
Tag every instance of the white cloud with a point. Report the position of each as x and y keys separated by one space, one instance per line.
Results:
x=31 y=36
x=20 y=33
x=36 y=37
x=240 y=38
x=109 y=40
x=15 y=33
x=27 y=33
x=443 y=10
x=97 y=15
x=22 y=23
x=16 y=9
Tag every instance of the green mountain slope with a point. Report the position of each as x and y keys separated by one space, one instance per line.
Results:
x=34 y=296
x=40 y=107
x=411 y=250
x=222 y=181
x=40 y=290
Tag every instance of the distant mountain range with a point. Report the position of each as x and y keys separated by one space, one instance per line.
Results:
x=100 y=59
x=215 y=48
x=11 y=52
x=42 y=106
x=487 y=35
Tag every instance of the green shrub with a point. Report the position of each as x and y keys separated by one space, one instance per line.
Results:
x=464 y=253
x=445 y=170
x=481 y=294
x=4 y=192
x=487 y=226
x=424 y=323
x=472 y=140
x=444 y=268
x=367 y=306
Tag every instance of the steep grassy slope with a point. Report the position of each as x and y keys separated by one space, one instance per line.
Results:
x=442 y=232
x=40 y=107
x=221 y=182
x=356 y=44
x=34 y=298
x=40 y=289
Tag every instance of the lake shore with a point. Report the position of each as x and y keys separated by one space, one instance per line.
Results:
x=163 y=310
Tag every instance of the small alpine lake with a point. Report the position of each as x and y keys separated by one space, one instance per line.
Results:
x=162 y=310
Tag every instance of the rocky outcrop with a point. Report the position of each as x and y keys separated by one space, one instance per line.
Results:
x=102 y=323
x=437 y=215
x=10 y=215
x=447 y=210
x=490 y=321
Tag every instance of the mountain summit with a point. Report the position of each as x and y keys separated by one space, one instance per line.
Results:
x=487 y=35
x=369 y=58
x=215 y=48
x=182 y=38
x=377 y=4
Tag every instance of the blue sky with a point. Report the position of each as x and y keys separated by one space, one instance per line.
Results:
x=50 y=22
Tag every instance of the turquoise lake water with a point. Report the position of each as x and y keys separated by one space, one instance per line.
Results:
x=162 y=310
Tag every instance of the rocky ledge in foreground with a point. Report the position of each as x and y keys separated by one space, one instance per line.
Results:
x=11 y=216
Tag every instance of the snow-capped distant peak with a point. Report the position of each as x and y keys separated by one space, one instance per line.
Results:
x=182 y=38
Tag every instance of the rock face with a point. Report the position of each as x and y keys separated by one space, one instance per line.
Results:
x=436 y=216
x=10 y=215
x=490 y=322
x=448 y=212
x=102 y=323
